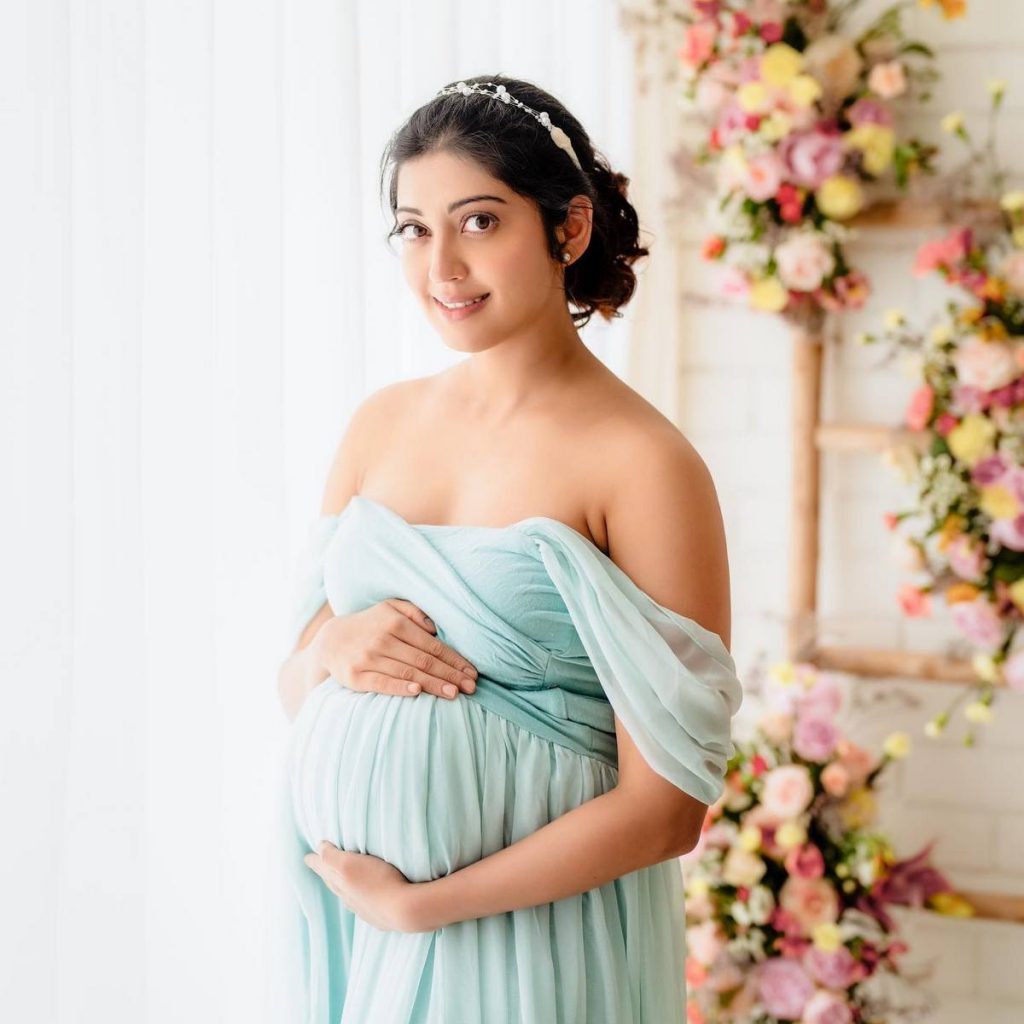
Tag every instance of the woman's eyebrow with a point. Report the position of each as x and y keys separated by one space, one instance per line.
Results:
x=453 y=206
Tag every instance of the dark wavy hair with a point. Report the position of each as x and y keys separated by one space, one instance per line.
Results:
x=512 y=146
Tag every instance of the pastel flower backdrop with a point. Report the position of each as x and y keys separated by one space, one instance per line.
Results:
x=799 y=125
x=789 y=890
x=963 y=538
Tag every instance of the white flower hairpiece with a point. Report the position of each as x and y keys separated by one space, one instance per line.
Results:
x=501 y=93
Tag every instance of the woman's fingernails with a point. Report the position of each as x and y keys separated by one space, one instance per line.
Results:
x=450 y=688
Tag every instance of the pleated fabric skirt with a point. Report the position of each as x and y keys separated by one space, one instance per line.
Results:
x=432 y=785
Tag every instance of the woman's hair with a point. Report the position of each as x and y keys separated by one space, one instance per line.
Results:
x=512 y=146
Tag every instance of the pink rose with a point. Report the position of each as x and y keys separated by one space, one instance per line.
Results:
x=914 y=602
x=827 y=1008
x=814 y=738
x=966 y=555
x=866 y=111
x=803 y=261
x=943 y=253
x=787 y=790
x=762 y=176
x=824 y=698
x=835 y=779
x=978 y=620
x=811 y=156
x=920 y=406
x=812 y=901
x=785 y=988
x=698 y=43
x=888 y=80
x=837 y=969
x=805 y=861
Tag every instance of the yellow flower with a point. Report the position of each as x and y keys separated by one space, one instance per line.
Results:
x=775 y=126
x=780 y=64
x=951 y=903
x=941 y=333
x=972 y=438
x=827 y=936
x=934 y=728
x=875 y=141
x=768 y=295
x=697 y=887
x=1016 y=592
x=1018 y=236
x=839 y=197
x=897 y=745
x=749 y=837
x=752 y=97
x=1012 y=200
x=804 y=90
x=859 y=808
x=790 y=834
x=978 y=711
x=998 y=501
x=894 y=318
x=996 y=87
x=985 y=667
x=783 y=673
x=953 y=123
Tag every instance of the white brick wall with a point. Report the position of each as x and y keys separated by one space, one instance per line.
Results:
x=735 y=408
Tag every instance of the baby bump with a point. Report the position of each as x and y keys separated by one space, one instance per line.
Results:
x=425 y=783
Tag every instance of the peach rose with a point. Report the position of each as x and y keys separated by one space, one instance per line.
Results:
x=888 y=80
x=787 y=790
x=810 y=901
x=985 y=364
x=835 y=779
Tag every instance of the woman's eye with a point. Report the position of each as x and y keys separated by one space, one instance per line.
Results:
x=474 y=216
x=400 y=232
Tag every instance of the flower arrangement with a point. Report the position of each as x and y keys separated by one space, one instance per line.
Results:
x=788 y=890
x=799 y=121
x=964 y=536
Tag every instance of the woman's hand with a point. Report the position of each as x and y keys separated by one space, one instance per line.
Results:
x=370 y=887
x=390 y=647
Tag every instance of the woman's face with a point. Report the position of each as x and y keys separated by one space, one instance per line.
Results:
x=464 y=234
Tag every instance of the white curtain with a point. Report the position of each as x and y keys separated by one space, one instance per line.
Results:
x=195 y=294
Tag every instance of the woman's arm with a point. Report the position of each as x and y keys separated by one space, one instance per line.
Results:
x=628 y=828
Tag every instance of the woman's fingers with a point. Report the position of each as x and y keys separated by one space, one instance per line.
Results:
x=404 y=674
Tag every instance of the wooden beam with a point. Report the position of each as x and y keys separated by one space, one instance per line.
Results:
x=866 y=437
x=996 y=906
x=880 y=662
x=806 y=358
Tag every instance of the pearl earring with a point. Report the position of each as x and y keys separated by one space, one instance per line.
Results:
x=566 y=257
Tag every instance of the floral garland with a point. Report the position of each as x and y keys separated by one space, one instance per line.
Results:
x=965 y=534
x=788 y=890
x=799 y=120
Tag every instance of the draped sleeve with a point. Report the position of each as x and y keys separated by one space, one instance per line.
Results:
x=307 y=592
x=671 y=681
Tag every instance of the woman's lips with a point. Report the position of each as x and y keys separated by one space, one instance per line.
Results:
x=463 y=311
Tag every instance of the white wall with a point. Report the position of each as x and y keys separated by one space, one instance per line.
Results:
x=734 y=397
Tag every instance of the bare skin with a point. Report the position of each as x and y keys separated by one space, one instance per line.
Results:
x=531 y=424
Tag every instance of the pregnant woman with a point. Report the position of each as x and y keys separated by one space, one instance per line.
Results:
x=510 y=685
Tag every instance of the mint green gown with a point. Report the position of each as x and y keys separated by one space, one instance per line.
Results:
x=563 y=640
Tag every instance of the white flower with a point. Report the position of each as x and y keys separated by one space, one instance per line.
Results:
x=803 y=262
